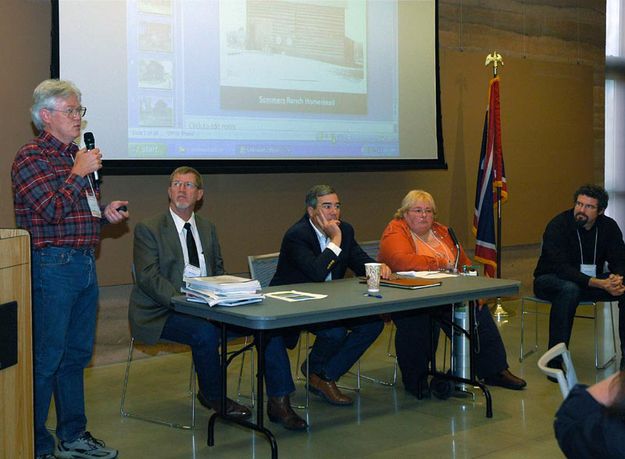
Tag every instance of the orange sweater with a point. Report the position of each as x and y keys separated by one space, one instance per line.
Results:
x=399 y=251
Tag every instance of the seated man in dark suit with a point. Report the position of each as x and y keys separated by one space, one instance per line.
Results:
x=180 y=243
x=318 y=248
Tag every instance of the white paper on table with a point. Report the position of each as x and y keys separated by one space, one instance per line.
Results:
x=426 y=274
x=294 y=295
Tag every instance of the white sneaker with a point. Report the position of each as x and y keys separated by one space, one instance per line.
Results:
x=84 y=447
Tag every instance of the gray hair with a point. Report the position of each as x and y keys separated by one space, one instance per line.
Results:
x=316 y=192
x=47 y=94
x=183 y=170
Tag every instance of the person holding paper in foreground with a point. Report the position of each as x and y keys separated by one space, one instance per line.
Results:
x=413 y=241
x=177 y=244
x=318 y=248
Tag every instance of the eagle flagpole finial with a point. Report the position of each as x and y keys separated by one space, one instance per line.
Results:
x=495 y=59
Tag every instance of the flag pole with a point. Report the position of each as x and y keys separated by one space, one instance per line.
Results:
x=495 y=59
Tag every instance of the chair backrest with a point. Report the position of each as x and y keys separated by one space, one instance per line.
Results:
x=567 y=378
x=263 y=267
x=371 y=248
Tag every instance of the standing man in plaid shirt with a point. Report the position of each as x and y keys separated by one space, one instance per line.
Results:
x=57 y=200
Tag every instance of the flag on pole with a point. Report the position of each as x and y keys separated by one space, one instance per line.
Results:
x=490 y=176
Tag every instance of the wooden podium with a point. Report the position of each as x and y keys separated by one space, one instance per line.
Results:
x=16 y=380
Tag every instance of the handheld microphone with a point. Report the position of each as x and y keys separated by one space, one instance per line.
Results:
x=452 y=234
x=90 y=145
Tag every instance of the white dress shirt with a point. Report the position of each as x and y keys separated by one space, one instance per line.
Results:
x=182 y=236
x=324 y=242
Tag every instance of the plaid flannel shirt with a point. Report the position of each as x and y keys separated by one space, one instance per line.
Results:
x=50 y=202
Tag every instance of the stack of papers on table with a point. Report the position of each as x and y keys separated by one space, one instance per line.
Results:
x=223 y=290
x=426 y=274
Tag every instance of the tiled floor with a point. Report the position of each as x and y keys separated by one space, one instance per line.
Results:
x=384 y=422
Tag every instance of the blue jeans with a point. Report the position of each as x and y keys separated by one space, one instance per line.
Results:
x=204 y=338
x=565 y=296
x=338 y=346
x=65 y=299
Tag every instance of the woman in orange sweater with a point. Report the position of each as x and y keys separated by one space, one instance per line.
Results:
x=413 y=241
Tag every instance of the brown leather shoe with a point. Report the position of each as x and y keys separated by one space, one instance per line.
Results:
x=279 y=410
x=506 y=380
x=234 y=409
x=328 y=390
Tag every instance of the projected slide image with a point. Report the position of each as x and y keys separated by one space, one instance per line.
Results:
x=155 y=74
x=155 y=6
x=256 y=80
x=154 y=36
x=156 y=111
x=296 y=55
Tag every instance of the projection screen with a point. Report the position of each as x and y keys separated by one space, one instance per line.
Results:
x=255 y=85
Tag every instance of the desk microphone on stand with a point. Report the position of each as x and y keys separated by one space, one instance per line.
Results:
x=452 y=234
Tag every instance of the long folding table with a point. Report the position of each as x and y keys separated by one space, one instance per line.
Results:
x=345 y=299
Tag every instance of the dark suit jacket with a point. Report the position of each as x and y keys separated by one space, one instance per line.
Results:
x=301 y=259
x=159 y=265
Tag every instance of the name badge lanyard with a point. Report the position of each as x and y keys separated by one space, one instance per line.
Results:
x=581 y=250
x=92 y=201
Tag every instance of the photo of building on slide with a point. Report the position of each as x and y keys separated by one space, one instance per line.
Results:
x=293 y=55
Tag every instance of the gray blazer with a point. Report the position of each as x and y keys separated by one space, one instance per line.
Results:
x=159 y=265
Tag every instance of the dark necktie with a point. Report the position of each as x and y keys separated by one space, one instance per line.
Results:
x=191 y=247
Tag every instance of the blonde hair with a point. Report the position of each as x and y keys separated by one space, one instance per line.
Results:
x=411 y=198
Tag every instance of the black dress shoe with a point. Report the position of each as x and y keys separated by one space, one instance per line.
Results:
x=420 y=390
x=279 y=410
x=233 y=409
x=506 y=380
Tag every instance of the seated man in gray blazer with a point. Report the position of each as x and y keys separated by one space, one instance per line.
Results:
x=180 y=243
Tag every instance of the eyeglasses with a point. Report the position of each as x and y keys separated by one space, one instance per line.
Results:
x=71 y=112
x=585 y=206
x=420 y=211
x=187 y=185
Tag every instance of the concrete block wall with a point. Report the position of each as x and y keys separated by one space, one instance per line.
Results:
x=567 y=31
